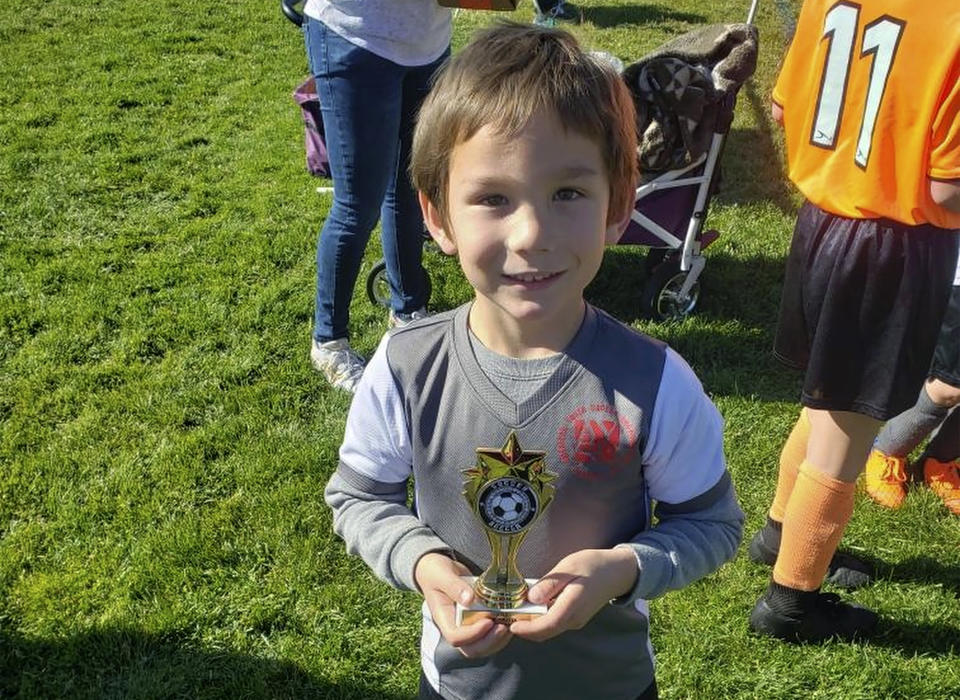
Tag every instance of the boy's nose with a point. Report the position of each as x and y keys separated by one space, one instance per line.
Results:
x=530 y=230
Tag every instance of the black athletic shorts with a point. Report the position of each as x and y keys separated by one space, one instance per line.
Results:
x=946 y=357
x=862 y=305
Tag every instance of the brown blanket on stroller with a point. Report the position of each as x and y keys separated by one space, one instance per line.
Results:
x=684 y=92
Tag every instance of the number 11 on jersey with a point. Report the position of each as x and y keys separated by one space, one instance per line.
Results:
x=881 y=38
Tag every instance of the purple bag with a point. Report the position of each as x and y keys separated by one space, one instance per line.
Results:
x=306 y=96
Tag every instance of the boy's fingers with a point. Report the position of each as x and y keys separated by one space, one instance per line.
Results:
x=446 y=588
x=492 y=642
x=444 y=615
x=549 y=587
x=456 y=589
x=448 y=582
x=540 y=628
x=556 y=620
x=442 y=611
x=466 y=636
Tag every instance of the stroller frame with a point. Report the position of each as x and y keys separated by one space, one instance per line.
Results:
x=663 y=299
x=675 y=265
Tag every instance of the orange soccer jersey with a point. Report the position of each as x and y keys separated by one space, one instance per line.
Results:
x=871 y=99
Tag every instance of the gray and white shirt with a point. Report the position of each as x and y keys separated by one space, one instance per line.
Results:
x=624 y=422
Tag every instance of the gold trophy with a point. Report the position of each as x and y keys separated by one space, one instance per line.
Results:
x=508 y=490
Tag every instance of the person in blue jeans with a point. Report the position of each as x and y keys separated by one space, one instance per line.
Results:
x=372 y=61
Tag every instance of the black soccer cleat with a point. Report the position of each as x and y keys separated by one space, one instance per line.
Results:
x=845 y=570
x=821 y=616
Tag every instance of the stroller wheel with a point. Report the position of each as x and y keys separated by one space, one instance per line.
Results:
x=662 y=299
x=378 y=286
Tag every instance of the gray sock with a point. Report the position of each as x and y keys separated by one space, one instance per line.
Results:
x=904 y=432
x=945 y=445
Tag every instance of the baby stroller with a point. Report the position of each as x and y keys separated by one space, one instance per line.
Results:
x=685 y=93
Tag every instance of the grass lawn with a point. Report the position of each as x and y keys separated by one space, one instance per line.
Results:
x=164 y=442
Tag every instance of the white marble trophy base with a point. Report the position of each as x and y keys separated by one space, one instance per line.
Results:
x=478 y=610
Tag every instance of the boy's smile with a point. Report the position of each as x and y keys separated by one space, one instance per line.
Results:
x=528 y=220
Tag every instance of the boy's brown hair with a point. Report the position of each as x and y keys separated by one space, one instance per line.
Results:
x=504 y=76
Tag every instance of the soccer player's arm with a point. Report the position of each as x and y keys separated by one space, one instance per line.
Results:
x=368 y=490
x=945 y=152
x=780 y=89
x=699 y=523
x=946 y=193
x=776 y=112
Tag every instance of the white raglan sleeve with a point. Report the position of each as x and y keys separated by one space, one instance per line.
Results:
x=699 y=522
x=368 y=491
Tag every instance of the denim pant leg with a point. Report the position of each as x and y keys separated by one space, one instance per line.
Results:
x=401 y=221
x=360 y=100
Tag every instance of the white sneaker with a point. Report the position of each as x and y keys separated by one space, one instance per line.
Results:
x=339 y=363
x=398 y=319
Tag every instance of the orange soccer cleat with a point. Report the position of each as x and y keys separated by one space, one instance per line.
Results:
x=885 y=479
x=943 y=478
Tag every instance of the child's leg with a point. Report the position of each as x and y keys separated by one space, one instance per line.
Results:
x=793 y=453
x=766 y=542
x=844 y=570
x=816 y=514
x=840 y=441
x=822 y=499
x=941 y=462
x=945 y=444
x=904 y=432
x=886 y=471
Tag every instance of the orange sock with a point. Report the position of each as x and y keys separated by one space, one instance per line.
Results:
x=793 y=453
x=815 y=517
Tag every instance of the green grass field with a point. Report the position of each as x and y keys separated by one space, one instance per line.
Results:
x=164 y=442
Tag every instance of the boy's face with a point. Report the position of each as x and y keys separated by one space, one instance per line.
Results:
x=527 y=217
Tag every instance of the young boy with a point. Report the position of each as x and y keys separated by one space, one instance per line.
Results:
x=524 y=157
x=868 y=95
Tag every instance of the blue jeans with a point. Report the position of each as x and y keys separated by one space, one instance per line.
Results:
x=369 y=107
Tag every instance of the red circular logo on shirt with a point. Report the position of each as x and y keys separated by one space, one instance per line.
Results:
x=596 y=440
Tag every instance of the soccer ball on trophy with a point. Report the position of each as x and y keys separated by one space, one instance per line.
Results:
x=506 y=507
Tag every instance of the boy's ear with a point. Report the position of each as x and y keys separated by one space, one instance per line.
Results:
x=618 y=225
x=436 y=225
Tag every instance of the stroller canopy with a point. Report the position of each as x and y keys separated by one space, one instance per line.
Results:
x=685 y=91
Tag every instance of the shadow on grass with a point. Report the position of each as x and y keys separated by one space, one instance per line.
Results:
x=746 y=290
x=750 y=166
x=128 y=663
x=911 y=639
x=925 y=570
x=908 y=638
x=618 y=15
x=728 y=339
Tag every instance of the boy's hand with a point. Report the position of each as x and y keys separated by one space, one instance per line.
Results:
x=579 y=585
x=439 y=579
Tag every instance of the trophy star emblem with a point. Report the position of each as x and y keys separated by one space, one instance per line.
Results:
x=511 y=460
x=510 y=464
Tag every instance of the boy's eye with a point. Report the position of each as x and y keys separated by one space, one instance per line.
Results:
x=567 y=194
x=492 y=200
